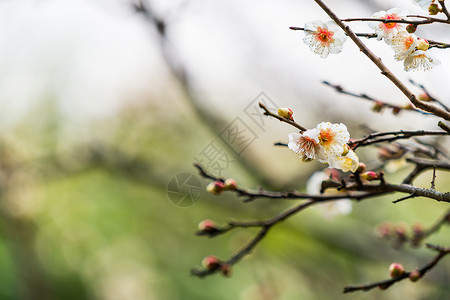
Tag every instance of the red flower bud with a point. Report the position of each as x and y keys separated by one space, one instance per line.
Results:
x=207 y=225
x=369 y=175
x=414 y=276
x=211 y=262
x=396 y=270
x=215 y=187
x=230 y=184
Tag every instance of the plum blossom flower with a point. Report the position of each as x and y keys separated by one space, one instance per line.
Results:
x=424 y=4
x=332 y=208
x=387 y=31
x=332 y=138
x=420 y=60
x=403 y=44
x=305 y=144
x=349 y=162
x=324 y=38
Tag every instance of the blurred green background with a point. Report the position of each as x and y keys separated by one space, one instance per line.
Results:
x=84 y=206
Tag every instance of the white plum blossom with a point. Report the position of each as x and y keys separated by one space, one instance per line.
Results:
x=332 y=138
x=403 y=44
x=324 y=38
x=420 y=60
x=349 y=162
x=424 y=4
x=305 y=144
x=332 y=208
x=387 y=31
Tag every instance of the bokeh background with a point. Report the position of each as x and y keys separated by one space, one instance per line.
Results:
x=103 y=104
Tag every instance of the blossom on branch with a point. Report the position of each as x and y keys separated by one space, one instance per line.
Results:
x=305 y=144
x=324 y=38
x=332 y=138
x=349 y=162
x=420 y=60
x=403 y=44
x=387 y=31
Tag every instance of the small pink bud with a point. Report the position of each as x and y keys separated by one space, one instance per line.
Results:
x=215 y=187
x=396 y=270
x=230 y=184
x=362 y=167
x=211 y=262
x=418 y=228
x=414 y=276
x=411 y=28
x=385 y=229
x=207 y=225
x=285 y=113
x=369 y=175
x=424 y=97
x=434 y=9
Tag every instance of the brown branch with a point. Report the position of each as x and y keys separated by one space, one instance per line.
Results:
x=288 y=121
x=384 y=284
x=422 y=165
x=384 y=70
x=444 y=9
x=379 y=137
x=382 y=104
x=426 y=20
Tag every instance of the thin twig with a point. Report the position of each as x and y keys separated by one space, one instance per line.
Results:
x=267 y=112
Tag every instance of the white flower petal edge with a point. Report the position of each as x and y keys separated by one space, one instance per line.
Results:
x=304 y=144
x=420 y=60
x=332 y=138
x=403 y=44
x=387 y=31
x=424 y=4
x=349 y=162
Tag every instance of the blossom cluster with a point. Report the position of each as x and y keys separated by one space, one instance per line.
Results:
x=406 y=46
x=328 y=38
x=327 y=143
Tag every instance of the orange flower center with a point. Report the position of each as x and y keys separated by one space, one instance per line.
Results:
x=391 y=17
x=326 y=137
x=408 y=42
x=324 y=35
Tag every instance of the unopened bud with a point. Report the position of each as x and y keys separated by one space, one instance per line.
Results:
x=215 y=187
x=369 y=175
x=207 y=226
x=396 y=110
x=434 y=9
x=211 y=262
x=411 y=28
x=378 y=106
x=422 y=44
x=361 y=167
x=409 y=106
x=396 y=270
x=418 y=229
x=230 y=184
x=285 y=113
x=385 y=229
x=346 y=149
x=424 y=97
x=414 y=275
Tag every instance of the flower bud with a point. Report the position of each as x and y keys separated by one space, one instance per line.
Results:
x=434 y=9
x=361 y=167
x=230 y=184
x=285 y=113
x=396 y=270
x=422 y=44
x=418 y=228
x=215 y=187
x=424 y=97
x=385 y=229
x=346 y=150
x=378 y=106
x=408 y=106
x=207 y=226
x=411 y=28
x=396 y=110
x=369 y=175
x=211 y=262
x=414 y=275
